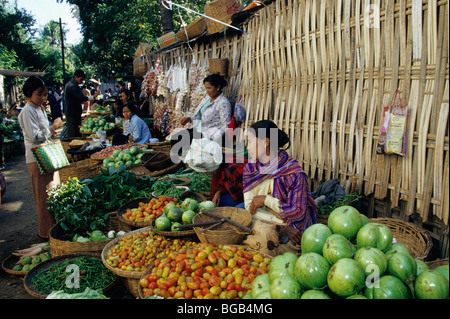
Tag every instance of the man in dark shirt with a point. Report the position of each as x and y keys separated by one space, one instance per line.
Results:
x=73 y=99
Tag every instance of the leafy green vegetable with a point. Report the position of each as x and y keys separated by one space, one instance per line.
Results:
x=75 y=208
x=347 y=200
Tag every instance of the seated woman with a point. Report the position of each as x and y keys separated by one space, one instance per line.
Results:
x=276 y=192
x=212 y=115
x=226 y=181
x=138 y=132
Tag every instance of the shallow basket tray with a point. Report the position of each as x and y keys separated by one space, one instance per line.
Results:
x=173 y=234
x=29 y=287
x=8 y=265
x=60 y=246
x=112 y=243
x=224 y=233
x=416 y=239
x=130 y=205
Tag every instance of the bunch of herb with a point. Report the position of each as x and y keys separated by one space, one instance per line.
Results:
x=348 y=200
x=76 y=208
x=200 y=182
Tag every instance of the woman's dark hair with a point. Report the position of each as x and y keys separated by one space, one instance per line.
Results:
x=132 y=107
x=32 y=84
x=128 y=93
x=216 y=80
x=264 y=128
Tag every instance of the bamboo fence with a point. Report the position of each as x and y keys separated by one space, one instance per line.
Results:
x=324 y=70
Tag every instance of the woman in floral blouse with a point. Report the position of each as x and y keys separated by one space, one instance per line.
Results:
x=212 y=115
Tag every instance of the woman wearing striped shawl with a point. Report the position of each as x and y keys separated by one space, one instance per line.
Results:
x=276 y=188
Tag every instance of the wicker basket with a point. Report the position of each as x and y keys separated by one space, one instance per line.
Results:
x=139 y=67
x=416 y=239
x=322 y=219
x=29 y=287
x=81 y=169
x=161 y=146
x=59 y=246
x=436 y=263
x=173 y=234
x=143 y=171
x=218 y=66
x=130 y=278
x=130 y=205
x=8 y=265
x=156 y=161
x=193 y=29
x=221 y=10
x=224 y=233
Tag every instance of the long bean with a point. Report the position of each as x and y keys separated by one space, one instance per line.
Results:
x=92 y=274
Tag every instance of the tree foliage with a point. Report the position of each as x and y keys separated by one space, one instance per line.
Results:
x=113 y=29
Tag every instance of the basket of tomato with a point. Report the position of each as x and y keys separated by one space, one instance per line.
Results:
x=129 y=255
x=206 y=271
x=141 y=212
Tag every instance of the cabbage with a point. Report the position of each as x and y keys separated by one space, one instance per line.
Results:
x=189 y=204
x=206 y=205
x=97 y=235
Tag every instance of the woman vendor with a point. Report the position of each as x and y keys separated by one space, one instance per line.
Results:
x=276 y=192
x=212 y=115
x=137 y=132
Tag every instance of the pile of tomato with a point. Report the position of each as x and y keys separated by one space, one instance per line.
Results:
x=146 y=212
x=204 y=271
x=136 y=252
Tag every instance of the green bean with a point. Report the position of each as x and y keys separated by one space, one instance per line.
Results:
x=93 y=274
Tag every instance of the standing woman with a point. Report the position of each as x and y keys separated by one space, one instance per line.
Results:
x=35 y=126
x=276 y=188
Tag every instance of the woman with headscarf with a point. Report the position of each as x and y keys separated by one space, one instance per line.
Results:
x=276 y=188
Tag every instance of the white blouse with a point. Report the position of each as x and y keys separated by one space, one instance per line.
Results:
x=34 y=123
x=215 y=118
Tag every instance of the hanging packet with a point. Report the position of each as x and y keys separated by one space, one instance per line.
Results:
x=396 y=133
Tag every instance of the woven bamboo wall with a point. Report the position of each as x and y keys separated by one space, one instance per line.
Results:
x=324 y=70
x=324 y=74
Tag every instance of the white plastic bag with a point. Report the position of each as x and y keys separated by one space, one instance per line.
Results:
x=204 y=156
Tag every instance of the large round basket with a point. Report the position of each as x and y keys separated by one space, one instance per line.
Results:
x=224 y=233
x=130 y=205
x=416 y=239
x=156 y=160
x=437 y=262
x=130 y=278
x=60 y=246
x=146 y=272
x=30 y=288
x=81 y=169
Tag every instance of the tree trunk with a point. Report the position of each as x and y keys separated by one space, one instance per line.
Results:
x=166 y=19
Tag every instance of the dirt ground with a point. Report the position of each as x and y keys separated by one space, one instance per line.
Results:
x=18 y=227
